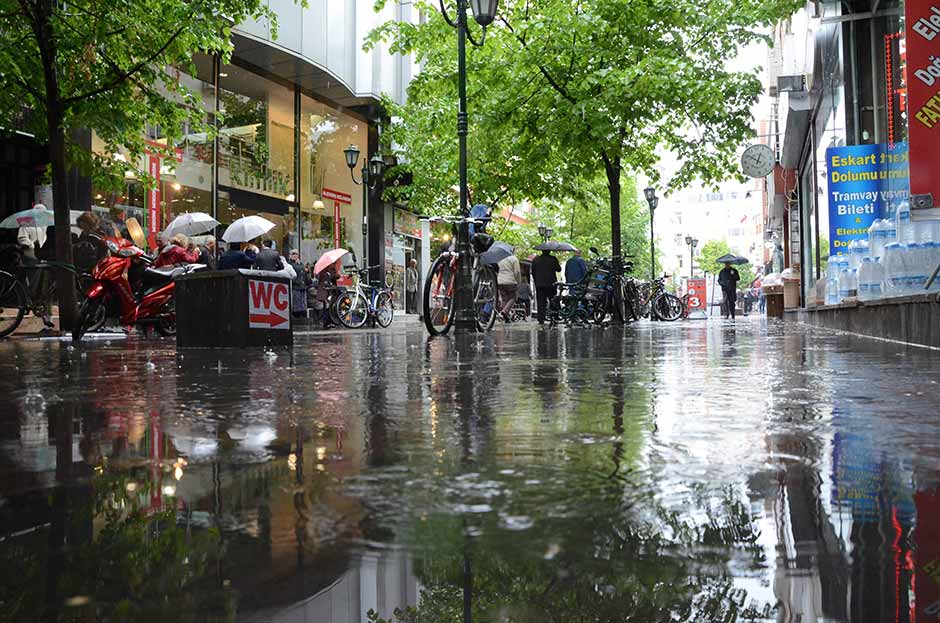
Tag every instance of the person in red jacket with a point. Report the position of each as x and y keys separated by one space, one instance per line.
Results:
x=177 y=251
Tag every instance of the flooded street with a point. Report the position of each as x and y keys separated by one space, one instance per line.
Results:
x=696 y=471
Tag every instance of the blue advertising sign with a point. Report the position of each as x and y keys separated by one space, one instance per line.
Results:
x=865 y=183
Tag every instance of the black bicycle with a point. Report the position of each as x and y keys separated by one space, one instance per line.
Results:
x=31 y=288
x=655 y=300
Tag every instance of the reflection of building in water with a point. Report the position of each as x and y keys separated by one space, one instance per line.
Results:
x=844 y=529
x=380 y=580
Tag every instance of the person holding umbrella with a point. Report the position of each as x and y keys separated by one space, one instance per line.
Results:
x=545 y=269
x=728 y=279
x=327 y=269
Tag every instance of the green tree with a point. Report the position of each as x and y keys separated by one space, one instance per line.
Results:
x=109 y=66
x=712 y=250
x=563 y=91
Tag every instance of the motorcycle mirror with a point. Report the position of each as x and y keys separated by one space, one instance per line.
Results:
x=594 y=251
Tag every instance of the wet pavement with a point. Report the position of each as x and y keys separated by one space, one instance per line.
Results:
x=697 y=471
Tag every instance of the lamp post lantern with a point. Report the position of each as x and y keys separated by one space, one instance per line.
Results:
x=692 y=243
x=484 y=12
x=370 y=175
x=653 y=201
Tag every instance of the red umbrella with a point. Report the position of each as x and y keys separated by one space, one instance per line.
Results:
x=328 y=259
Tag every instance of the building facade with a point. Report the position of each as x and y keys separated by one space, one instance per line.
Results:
x=837 y=76
x=290 y=105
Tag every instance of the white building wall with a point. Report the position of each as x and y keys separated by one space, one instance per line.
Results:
x=330 y=35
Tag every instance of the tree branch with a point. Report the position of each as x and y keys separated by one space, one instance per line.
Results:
x=130 y=72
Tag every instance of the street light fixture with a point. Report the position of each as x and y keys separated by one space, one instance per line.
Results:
x=484 y=12
x=692 y=242
x=371 y=174
x=653 y=201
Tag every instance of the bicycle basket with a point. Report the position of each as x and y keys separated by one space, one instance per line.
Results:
x=481 y=242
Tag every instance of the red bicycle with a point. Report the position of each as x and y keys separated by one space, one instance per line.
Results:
x=440 y=285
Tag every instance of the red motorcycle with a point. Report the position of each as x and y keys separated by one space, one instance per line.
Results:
x=125 y=285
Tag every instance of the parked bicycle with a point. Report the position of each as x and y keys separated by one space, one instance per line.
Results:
x=441 y=283
x=655 y=300
x=364 y=302
x=612 y=289
x=25 y=289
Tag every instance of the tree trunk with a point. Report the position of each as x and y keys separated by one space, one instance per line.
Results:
x=65 y=279
x=55 y=119
x=612 y=167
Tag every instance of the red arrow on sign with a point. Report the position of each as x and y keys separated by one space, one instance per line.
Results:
x=271 y=319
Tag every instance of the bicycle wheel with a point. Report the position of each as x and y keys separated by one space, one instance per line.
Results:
x=484 y=297
x=667 y=307
x=438 y=302
x=91 y=311
x=634 y=300
x=384 y=309
x=166 y=322
x=12 y=303
x=352 y=310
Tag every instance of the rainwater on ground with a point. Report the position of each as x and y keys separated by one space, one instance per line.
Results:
x=697 y=471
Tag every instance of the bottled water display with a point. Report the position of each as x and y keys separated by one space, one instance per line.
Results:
x=897 y=259
x=905 y=230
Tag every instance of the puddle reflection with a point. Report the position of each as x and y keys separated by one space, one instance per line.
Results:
x=686 y=472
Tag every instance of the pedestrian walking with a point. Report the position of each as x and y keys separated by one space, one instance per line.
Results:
x=575 y=268
x=507 y=283
x=728 y=279
x=411 y=287
x=524 y=295
x=545 y=269
x=268 y=258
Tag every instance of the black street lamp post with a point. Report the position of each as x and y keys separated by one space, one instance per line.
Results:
x=371 y=175
x=692 y=242
x=484 y=12
x=653 y=201
x=545 y=233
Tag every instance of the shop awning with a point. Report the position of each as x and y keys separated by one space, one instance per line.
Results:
x=248 y=200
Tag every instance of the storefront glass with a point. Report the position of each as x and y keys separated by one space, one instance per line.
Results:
x=256 y=150
x=326 y=188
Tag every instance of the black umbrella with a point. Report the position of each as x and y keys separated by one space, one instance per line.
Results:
x=554 y=245
x=731 y=258
x=496 y=253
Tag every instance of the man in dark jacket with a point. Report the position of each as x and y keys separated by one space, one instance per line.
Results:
x=299 y=285
x=236 y=258
x=207 y=253
x=728 y=280
x=268 y=258
x=545 y=269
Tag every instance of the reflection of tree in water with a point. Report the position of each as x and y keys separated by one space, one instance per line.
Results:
x=117 y=563
x=608 y=568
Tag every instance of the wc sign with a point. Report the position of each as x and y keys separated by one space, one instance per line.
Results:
x=268 y=305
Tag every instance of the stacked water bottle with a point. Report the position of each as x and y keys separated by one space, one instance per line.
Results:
x=898 y=258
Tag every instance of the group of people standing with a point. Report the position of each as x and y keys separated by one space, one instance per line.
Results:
x=513 y=282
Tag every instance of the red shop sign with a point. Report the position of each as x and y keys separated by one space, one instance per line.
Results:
x=697 y=294
x=923 y=91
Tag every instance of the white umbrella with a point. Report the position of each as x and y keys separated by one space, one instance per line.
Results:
x=247 y=228
x=191 y=224
x=37 y=216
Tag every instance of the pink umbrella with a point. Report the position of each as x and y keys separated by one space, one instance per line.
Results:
x=328 y=259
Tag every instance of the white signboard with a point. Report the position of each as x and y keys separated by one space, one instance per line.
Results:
x=268 y=305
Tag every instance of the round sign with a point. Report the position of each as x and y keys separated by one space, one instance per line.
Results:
x=757 y=161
